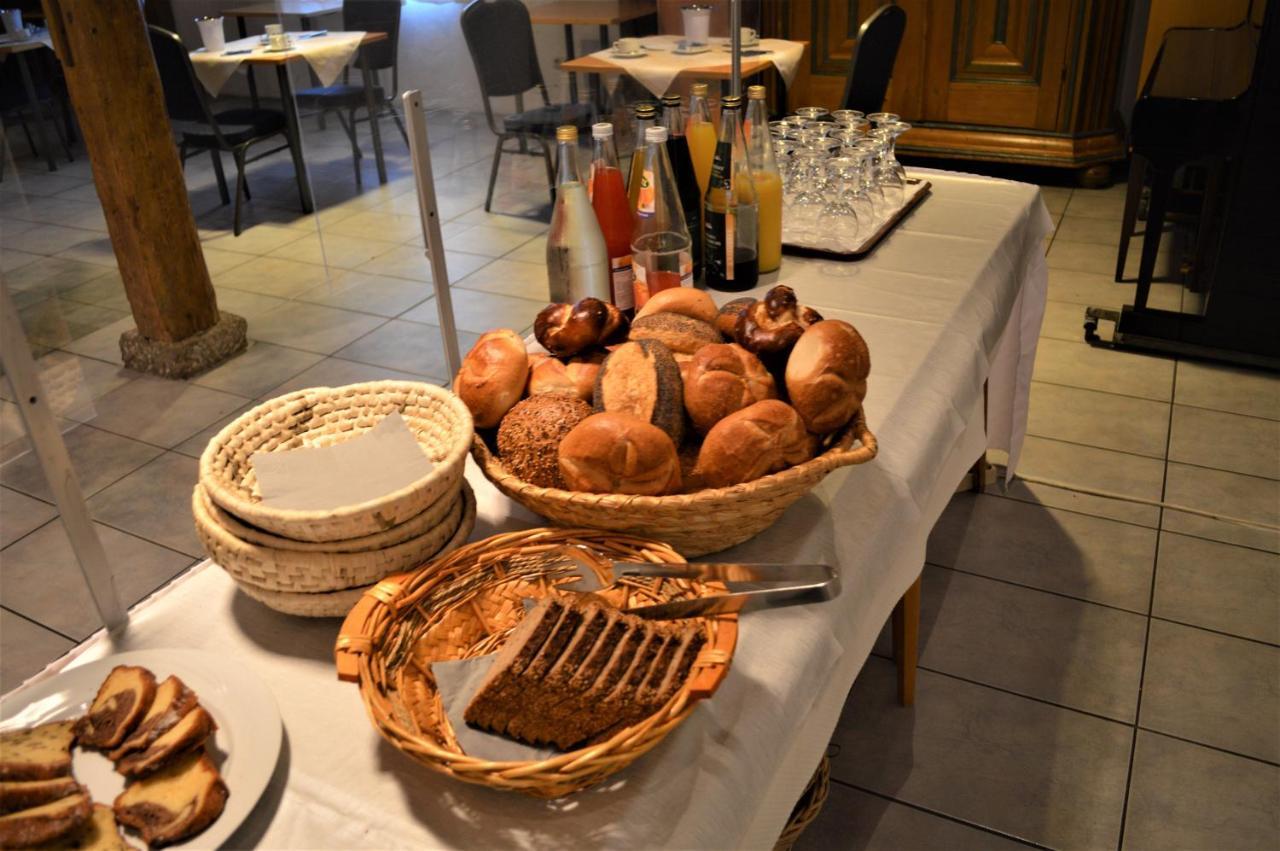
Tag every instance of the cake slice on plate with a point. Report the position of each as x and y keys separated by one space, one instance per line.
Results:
x=37 y=753
x=99 y=832
x=189 y=733
x=22 y=794
x=174 y=803
x=44 y=823
x=172 y=702
x=123 y=698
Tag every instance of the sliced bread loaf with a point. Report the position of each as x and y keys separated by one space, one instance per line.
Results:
x=44 y=823
x=22 y=794
x=37 y=753
x=98 y=833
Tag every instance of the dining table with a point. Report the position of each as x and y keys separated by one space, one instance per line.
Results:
x=306 y=11
x=19 y=48
x=950 y=304
x=598 y=13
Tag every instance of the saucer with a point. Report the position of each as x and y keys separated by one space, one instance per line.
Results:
x=691 y=51
x=633 y=55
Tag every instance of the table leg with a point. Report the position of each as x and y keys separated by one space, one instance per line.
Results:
x=568 y=54
x=295 y=133
x=1161 y=178
x=242 y=28
x=597 y=81
x=906 y=639
x=371 y=103
x=32 y=99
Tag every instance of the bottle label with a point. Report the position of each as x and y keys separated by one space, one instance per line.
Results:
x=639 y=285
x=622 y=273
x=730 y=223
x=645 y=200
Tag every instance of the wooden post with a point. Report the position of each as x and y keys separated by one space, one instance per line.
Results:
x=906 y=642
x=105 y=52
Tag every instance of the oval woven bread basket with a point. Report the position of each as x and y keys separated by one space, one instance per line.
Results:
x=311 y=572
x=336 y=604
x=465 y=605
x=321 y=416
x=697 y=523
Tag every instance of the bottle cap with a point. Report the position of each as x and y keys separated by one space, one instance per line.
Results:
x=646 y=110
x=755 y=93
x=671 y=100
x=731 y=102
x=655 y=134
x=603 y=130
x=699 y=89
x=567 y=133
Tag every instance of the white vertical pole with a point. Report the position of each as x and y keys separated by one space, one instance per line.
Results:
x=51 y=452
x=735 y=48
x=420 y=151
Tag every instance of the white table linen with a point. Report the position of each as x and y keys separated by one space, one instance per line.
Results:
x=661 y=65
x=947 y=302
x=326 y=54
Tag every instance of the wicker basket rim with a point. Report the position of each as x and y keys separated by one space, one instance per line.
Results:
x=835 y=457
x=228 y=496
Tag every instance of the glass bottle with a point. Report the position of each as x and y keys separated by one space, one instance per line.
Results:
x=686 y=178
x=577 y=260
x=768 y=181
x=701 y=135
x=661 y=246
x=731 y=210
x=646 y=117
x=613 y=212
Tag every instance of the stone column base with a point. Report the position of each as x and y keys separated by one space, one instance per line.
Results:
x=185 y=358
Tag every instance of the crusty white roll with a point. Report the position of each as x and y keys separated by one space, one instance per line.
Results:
x=549 y=375
x=493 y=376
x=723 y=378
x=619 y=453
x=764 y=438
x=677 y=332
x=827 y=375
x=686 y=301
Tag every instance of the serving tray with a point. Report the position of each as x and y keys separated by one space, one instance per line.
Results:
x=916 y=191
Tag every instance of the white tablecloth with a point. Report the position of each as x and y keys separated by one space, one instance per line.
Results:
x=326 y=54
x=954 y=297
x=661 y=65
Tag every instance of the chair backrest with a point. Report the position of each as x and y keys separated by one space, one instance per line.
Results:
x=500 y=38
x=873 y=56
x=381 y=16
x=183 y=98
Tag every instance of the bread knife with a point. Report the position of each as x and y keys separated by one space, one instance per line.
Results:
x=750 y=586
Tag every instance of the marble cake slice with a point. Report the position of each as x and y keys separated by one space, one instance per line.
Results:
x=122 y=699
x=174 y=803
x=188 y=734
x=23 y=794
x=46 y=822
x=172 y=702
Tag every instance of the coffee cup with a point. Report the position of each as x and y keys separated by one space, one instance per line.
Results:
x=212 y=34
x=749 y=36
x=280 y=41
x=12 y=20
x=626 y=45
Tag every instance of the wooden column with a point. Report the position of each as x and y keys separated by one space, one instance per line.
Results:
x=105 y=52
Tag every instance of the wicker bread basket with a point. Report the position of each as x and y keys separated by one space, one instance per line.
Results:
x=697 y=523
x=322 y=416
x=273 y=569
x=465 y=605
x=336 y=604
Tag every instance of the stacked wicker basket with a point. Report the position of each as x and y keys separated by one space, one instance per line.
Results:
x=318 y=563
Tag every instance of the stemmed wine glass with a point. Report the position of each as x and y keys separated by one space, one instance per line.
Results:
x=896 y=129
x=810 y=181
x=881 y=118
x=838 y=221
x=886 y=167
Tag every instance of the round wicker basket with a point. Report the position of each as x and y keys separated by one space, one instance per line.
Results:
x=272 y=569
x=465 y=605
x=697 y=523
x=336 y=604
x=322 y=416
x=807 y=807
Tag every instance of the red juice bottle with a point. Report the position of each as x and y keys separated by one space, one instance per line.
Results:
x=613 y=211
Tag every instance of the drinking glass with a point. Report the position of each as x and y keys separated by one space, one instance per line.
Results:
x=869 y=152
x=896 y=129
x=878 y=118
x=847 y=116
x=812 y=113
x=838 y=221
x=794 y=123
x=778 y=129
x=891 y=183
x=810 y=183
x=783 y=150
x=825 y=127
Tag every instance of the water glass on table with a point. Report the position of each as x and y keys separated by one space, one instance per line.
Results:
x=211 y=33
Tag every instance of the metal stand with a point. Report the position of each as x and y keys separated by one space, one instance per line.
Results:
x=420 y=153
x=15 y=355
x=735 y=47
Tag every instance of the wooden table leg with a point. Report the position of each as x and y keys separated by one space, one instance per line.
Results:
x=906 y=640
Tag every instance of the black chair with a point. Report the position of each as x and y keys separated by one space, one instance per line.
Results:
x=201 y=129
x=500 y=38
x=51 y=99
x=368 y=16
x=873 y=56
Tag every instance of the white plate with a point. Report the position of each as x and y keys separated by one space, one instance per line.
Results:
x=616 y=55
x=691 y=51
x=246 y=745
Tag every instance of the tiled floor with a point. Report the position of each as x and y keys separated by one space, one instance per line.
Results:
x=1095 y=673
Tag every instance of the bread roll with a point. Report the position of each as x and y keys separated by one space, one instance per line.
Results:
x=774 y=323
x=761 y=439
x=678 y=332
x=727 y=316
x=827 y=375
x=566 y=329
x=642 y=379
x=530 y=434
x=552 y=376
x=685 y=301
x=493 y=376
x=619 y=453
x=723 y=378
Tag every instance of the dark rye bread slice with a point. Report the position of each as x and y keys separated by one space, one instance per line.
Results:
x=547 y=657
x=23 y=794
x=174 y=803
x=668 y=674
x=98 y=833
x=172 y=702
x=188 y=733
x=46 y=822
x=122 y=699
x=587 y=717
x=37 y=753
x=585 y=662
x=615 y=707
x=520 y=649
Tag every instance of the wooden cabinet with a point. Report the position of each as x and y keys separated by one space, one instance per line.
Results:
x=1024 y=81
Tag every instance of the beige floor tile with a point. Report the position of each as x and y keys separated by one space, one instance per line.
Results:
x=1241 y=444
x=489 y=241
x=1101 y=259
x=51 y=239
x=334 y=249
x=1068 y=652
x=256 y=370
x=275 y=276
x=160 y=411
x=479 y=217
x=103 y=344
x=105 y=290
x=510 y=278
x=1026 y=769
x=28 y=183
x=1055 y=198
x=1224 y=388
x=1231 y=494
x=311 y=327
x=1063 y=321
x=12 y=260
x=25 y=648
x=1086 y=229
x=1218 y=586
x=72 y=382
x=21 y=514
x=1098 y=203
x=1095 y=469
x=1212 y=689
x=259 y=239
x=1105 y=420
x=153 y=502
x=479 y=312
x=408 y=347
x=97 y=457
x=534 y=251
x=374 y=224
x=332 y=372
x=1081 y=365
x=377 y=294
x=56 y=322
x=54 y=275
x=411 y=263
x=1186 y=796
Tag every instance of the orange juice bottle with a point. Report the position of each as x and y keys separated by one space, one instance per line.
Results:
x=767 y=181
x=646 y=117
x=701 y=134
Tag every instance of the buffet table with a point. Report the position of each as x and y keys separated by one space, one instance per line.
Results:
x=949 y=302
